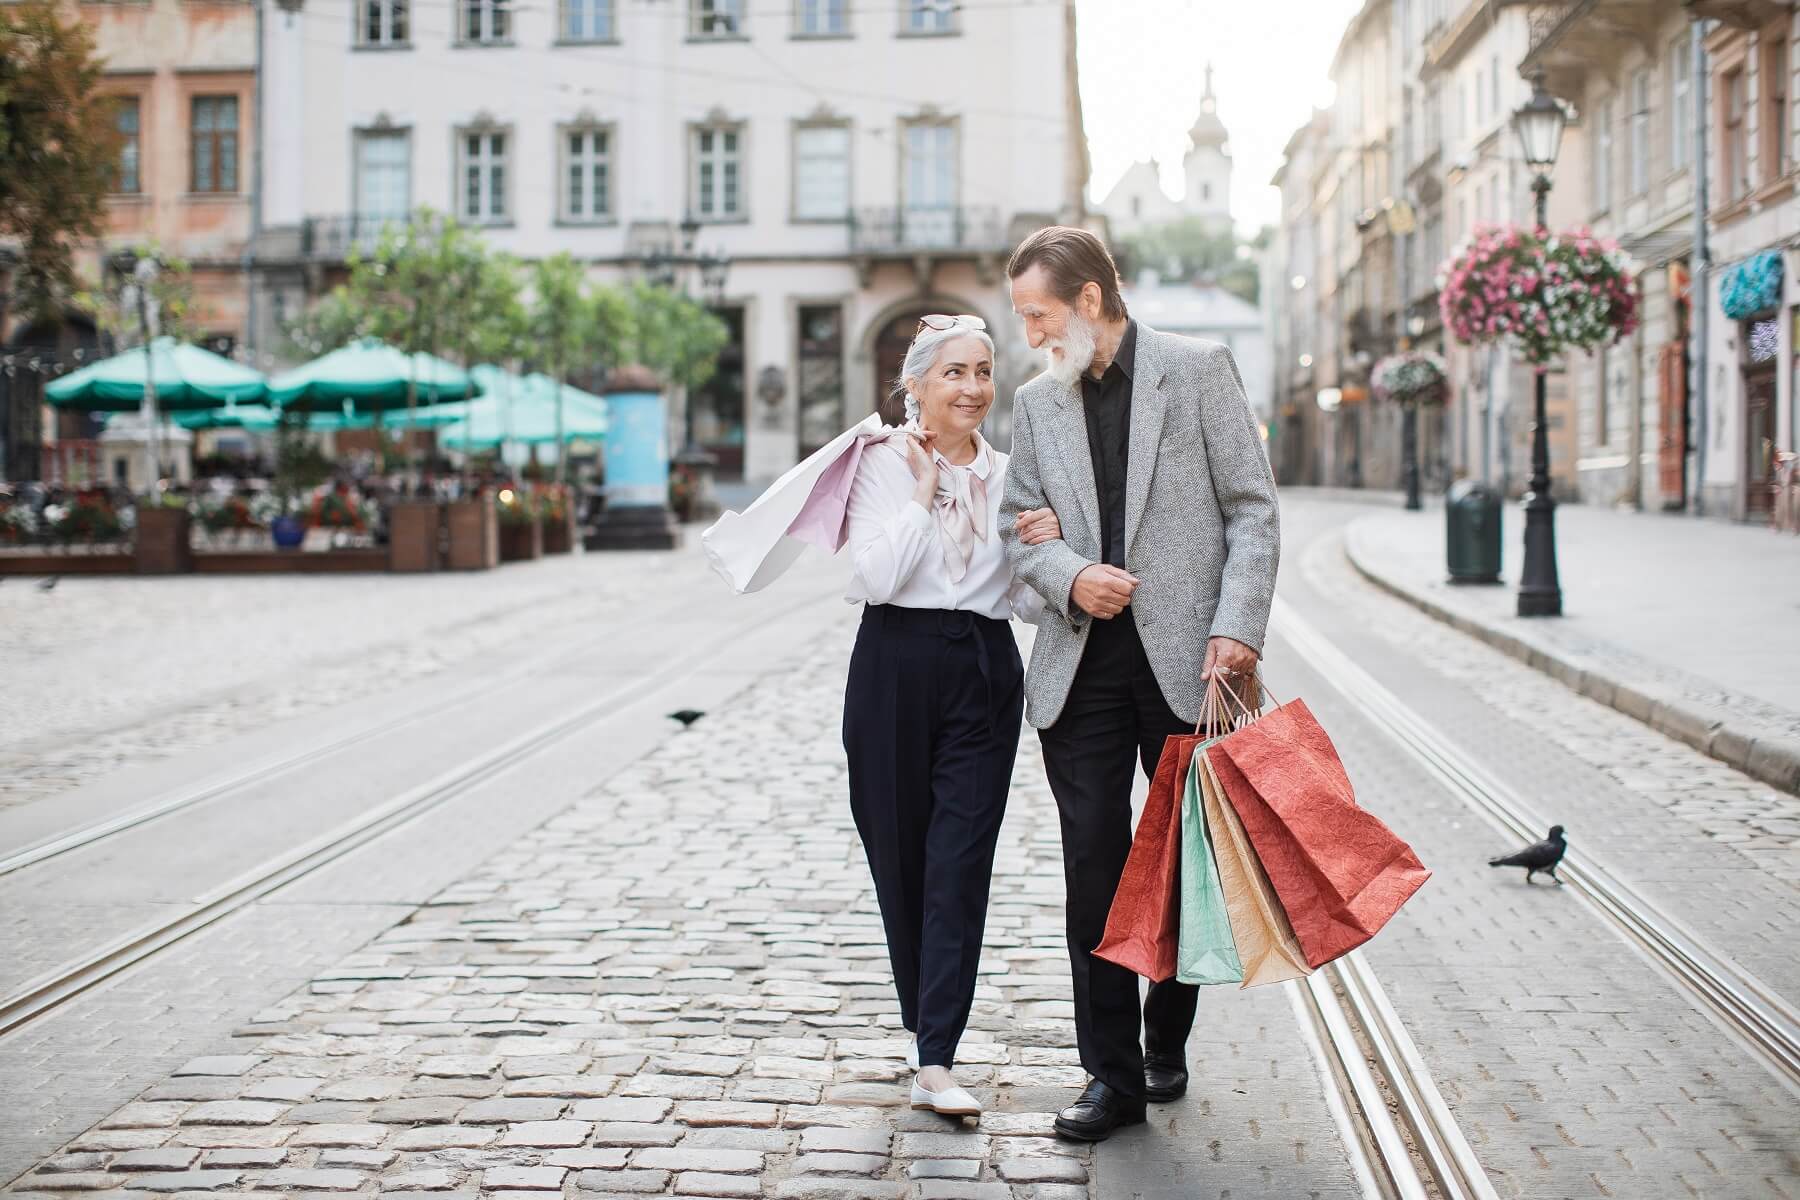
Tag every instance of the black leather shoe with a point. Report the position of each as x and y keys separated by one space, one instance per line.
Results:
x=1165 y=1077
x=1098 y=1112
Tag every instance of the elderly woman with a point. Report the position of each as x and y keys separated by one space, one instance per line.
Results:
x=933 y=707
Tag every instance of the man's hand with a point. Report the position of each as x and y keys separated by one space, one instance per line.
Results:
x=1102 y=591
x=1233 y=662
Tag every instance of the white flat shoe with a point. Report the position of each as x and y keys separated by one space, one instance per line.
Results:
x=953 y=1101
x=912 y=1057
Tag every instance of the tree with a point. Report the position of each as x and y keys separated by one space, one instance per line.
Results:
x=59 y=148
x=567 y=324
x=674 y=336
x=171 y=299
x=1192 y=249
x=430 y=286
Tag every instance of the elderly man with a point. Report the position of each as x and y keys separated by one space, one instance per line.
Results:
x=1143 y=444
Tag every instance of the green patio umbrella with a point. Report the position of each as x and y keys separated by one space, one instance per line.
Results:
x=519 y=409
x=187 y=378
x=256 y=418
x=370 y=376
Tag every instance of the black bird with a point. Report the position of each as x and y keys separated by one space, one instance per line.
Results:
x=1539 y=856
x=48 y=585
x=687 y=716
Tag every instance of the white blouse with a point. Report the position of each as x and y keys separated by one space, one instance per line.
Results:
x=897 y=553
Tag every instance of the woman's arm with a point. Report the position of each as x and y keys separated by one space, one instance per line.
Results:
x=890 y=532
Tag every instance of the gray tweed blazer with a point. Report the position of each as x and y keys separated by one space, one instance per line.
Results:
x=1202 y=530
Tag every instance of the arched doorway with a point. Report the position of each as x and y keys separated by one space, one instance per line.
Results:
x=890 y=349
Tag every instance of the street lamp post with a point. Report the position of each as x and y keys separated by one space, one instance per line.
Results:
x=1539 y=125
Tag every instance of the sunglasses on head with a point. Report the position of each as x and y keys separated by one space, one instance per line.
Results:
x=941 y=322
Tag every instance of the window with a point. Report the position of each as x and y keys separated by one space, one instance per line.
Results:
x=717 y=193
x=1681 y=104
x=1603 y=154
x=587 y=174
x=486 y=22
x=821 y=376
x=1494 y=94
x=383 y=177
x=823 y=18
x=1734 y=158
x=1137 y=206
x=1777 y=152
x=928 y=183
x=213 y=137
x=929 y=16
x=716 y=18
x=1206 y=193
x=587 y=21
x=125 y=119
x=482 y=175
x=1640 y=131
x=821 y=172
x=383 y=23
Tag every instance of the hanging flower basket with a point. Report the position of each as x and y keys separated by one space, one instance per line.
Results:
x=1752 y=287
x=1410 y=377
x=1550 y=294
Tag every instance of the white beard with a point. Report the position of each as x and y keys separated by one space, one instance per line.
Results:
x=1078 y=344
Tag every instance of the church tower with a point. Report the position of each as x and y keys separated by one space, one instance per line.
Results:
x=1208 y=164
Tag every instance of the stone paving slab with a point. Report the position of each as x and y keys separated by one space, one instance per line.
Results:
x=679 y=987
x=1685 y=625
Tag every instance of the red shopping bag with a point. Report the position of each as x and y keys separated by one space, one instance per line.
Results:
x=1338 y=871
x=1143 y=927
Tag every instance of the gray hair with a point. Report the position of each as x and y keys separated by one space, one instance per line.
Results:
x=921 y=356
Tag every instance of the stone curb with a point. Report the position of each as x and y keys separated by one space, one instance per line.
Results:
x=1774 y=761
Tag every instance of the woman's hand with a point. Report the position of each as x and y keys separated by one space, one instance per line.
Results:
x=924 y=468
x=1038 y=525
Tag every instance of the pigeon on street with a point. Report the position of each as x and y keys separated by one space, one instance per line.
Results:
x=49 y=584
x=1539 y=856
x=687 y=716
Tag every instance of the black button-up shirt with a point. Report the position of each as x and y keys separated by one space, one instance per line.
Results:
x=1107 y=401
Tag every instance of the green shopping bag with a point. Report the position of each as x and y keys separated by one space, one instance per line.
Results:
x=1206 y=952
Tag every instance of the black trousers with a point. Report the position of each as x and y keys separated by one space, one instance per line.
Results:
x=931 y=728
x=1115 y=714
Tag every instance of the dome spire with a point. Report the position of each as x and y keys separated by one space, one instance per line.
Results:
x=1208 y=130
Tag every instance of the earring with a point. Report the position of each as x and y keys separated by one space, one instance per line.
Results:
x=912 y=409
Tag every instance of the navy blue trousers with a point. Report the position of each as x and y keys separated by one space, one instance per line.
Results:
x=1115 y=720
x=931 y=728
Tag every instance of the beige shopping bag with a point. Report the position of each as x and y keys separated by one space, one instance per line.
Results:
x=1265 y=942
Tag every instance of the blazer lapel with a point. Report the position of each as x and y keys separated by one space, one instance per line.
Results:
x=1069 y=432
x=1147 y=400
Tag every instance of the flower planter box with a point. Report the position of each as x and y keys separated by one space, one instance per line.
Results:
x=162 y=541
x=560 y=536
x=474 y=535
x=519 y=543
x=413 y=535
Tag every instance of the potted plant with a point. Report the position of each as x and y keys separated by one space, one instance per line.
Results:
x=556 y=509
x=521 y=534
x=164 y=529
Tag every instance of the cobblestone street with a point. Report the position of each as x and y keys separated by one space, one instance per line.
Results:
x=652 y=964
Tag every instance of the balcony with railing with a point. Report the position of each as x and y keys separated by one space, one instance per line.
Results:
x=331 y=239
x=925 y=236
x=1567 y=38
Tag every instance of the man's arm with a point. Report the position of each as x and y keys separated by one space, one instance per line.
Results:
x=1049 y=567
x=1245 y=487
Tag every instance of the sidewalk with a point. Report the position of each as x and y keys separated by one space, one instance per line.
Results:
x=679 y=987
x=1690 y=626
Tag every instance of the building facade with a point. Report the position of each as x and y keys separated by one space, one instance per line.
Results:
x=1749 y=357
x=179 y=77
x=858 y=165
x=1681 y=144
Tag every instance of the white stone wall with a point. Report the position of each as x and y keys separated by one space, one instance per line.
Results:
x=999 y=79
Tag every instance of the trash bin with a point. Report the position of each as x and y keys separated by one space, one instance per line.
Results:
x=1472 y=532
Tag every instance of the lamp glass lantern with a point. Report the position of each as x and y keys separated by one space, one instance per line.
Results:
x=1539 y=124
